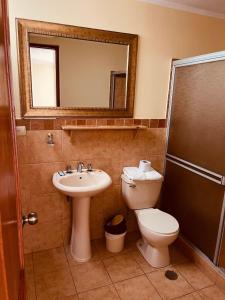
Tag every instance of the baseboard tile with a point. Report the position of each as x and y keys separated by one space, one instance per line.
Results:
x=202 y=261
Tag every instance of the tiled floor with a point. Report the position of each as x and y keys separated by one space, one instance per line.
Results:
x=53 y=275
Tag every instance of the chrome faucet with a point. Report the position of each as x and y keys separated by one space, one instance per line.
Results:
x=80 y=166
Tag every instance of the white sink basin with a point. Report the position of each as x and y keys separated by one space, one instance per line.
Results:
x=81 y=186
x=84 y=184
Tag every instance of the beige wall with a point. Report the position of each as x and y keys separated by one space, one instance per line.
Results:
x=164 y=34
x=84 y=69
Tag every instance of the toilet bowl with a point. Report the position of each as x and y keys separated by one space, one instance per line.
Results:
x=158 y=229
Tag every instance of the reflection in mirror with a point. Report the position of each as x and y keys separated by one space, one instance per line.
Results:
x=90 y=73
x=44 y=73
x=71 y=71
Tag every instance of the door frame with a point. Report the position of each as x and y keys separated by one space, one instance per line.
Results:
x=5 y=24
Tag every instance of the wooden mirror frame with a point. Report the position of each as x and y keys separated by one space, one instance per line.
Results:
x=29 y=26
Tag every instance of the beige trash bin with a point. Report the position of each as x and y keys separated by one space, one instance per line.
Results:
x=115 y=242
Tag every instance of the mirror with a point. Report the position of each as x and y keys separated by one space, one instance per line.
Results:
x=75 y=71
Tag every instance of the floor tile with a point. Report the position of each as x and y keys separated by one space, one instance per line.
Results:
x=106 y=293
x=192 y=296
x=169 y=289
x=90 y=275
x=194 y=276
x=101 y=249
x=212 y=292
x=73 y=262
x=49 y=261
x=122 y=267
x=137 y=288
x=28 y=264
x=30 y=287
x=73 y=297
x=176 y=256
x=29 y=277
x=129 y=245
x=144 y=265
x=55 y=285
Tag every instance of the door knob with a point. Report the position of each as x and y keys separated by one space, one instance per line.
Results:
x=31 y=218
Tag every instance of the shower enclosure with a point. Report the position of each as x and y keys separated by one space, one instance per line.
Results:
x=194 y=185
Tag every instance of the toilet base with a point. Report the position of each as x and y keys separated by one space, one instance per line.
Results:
x=156 y=257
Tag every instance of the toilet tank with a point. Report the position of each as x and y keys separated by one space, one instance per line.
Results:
x=140 y=194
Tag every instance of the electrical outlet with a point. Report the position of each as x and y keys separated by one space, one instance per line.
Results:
x=21 y=130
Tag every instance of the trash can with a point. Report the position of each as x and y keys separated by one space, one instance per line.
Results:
x=115 y=231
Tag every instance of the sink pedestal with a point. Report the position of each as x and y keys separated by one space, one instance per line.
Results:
x=80 y=244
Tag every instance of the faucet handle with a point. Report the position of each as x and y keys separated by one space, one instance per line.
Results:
x=69 y=169
x=89 y=167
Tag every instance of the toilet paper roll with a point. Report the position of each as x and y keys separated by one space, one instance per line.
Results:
x=144 y=165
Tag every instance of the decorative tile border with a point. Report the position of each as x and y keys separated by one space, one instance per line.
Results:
x=54 y=124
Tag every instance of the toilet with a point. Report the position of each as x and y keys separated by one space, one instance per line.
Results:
x=141 y=191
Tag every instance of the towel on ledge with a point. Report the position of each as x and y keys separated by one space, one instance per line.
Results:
x=134 y=173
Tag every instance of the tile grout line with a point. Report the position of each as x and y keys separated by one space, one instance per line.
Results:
x=181 y=277
x=35 y=288
x=70 y=270
x=177 y=298
x=153 y=286
x=93 y=289
x=35 y=282
x=113 y=284
x=195 y=289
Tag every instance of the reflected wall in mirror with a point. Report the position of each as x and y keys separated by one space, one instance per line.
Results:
x=74 y=71
x=82 y=64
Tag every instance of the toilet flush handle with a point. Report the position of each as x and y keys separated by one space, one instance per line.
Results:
x=132 y=185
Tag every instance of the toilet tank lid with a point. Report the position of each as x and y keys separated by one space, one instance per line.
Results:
x=135 y=173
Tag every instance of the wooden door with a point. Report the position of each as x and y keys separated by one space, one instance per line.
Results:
x=11 y=257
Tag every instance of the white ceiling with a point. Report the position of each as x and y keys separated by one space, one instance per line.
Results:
x=214 y=8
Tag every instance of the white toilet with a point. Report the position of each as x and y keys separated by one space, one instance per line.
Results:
x=141 y=191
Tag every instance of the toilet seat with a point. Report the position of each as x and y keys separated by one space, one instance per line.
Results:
x=157 y=221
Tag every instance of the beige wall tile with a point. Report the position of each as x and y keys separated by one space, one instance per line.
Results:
x=42 y=236
x=47 y=206
x=39 y=151
x=49 y=261
x=22 y=148
x=37 y=178
x=108 y=150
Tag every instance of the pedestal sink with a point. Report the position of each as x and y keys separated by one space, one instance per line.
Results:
x=81 y=186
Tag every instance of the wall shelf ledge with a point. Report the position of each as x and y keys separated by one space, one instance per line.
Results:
x=106 y=127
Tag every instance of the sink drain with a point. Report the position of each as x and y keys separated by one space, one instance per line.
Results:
x=171 y=275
